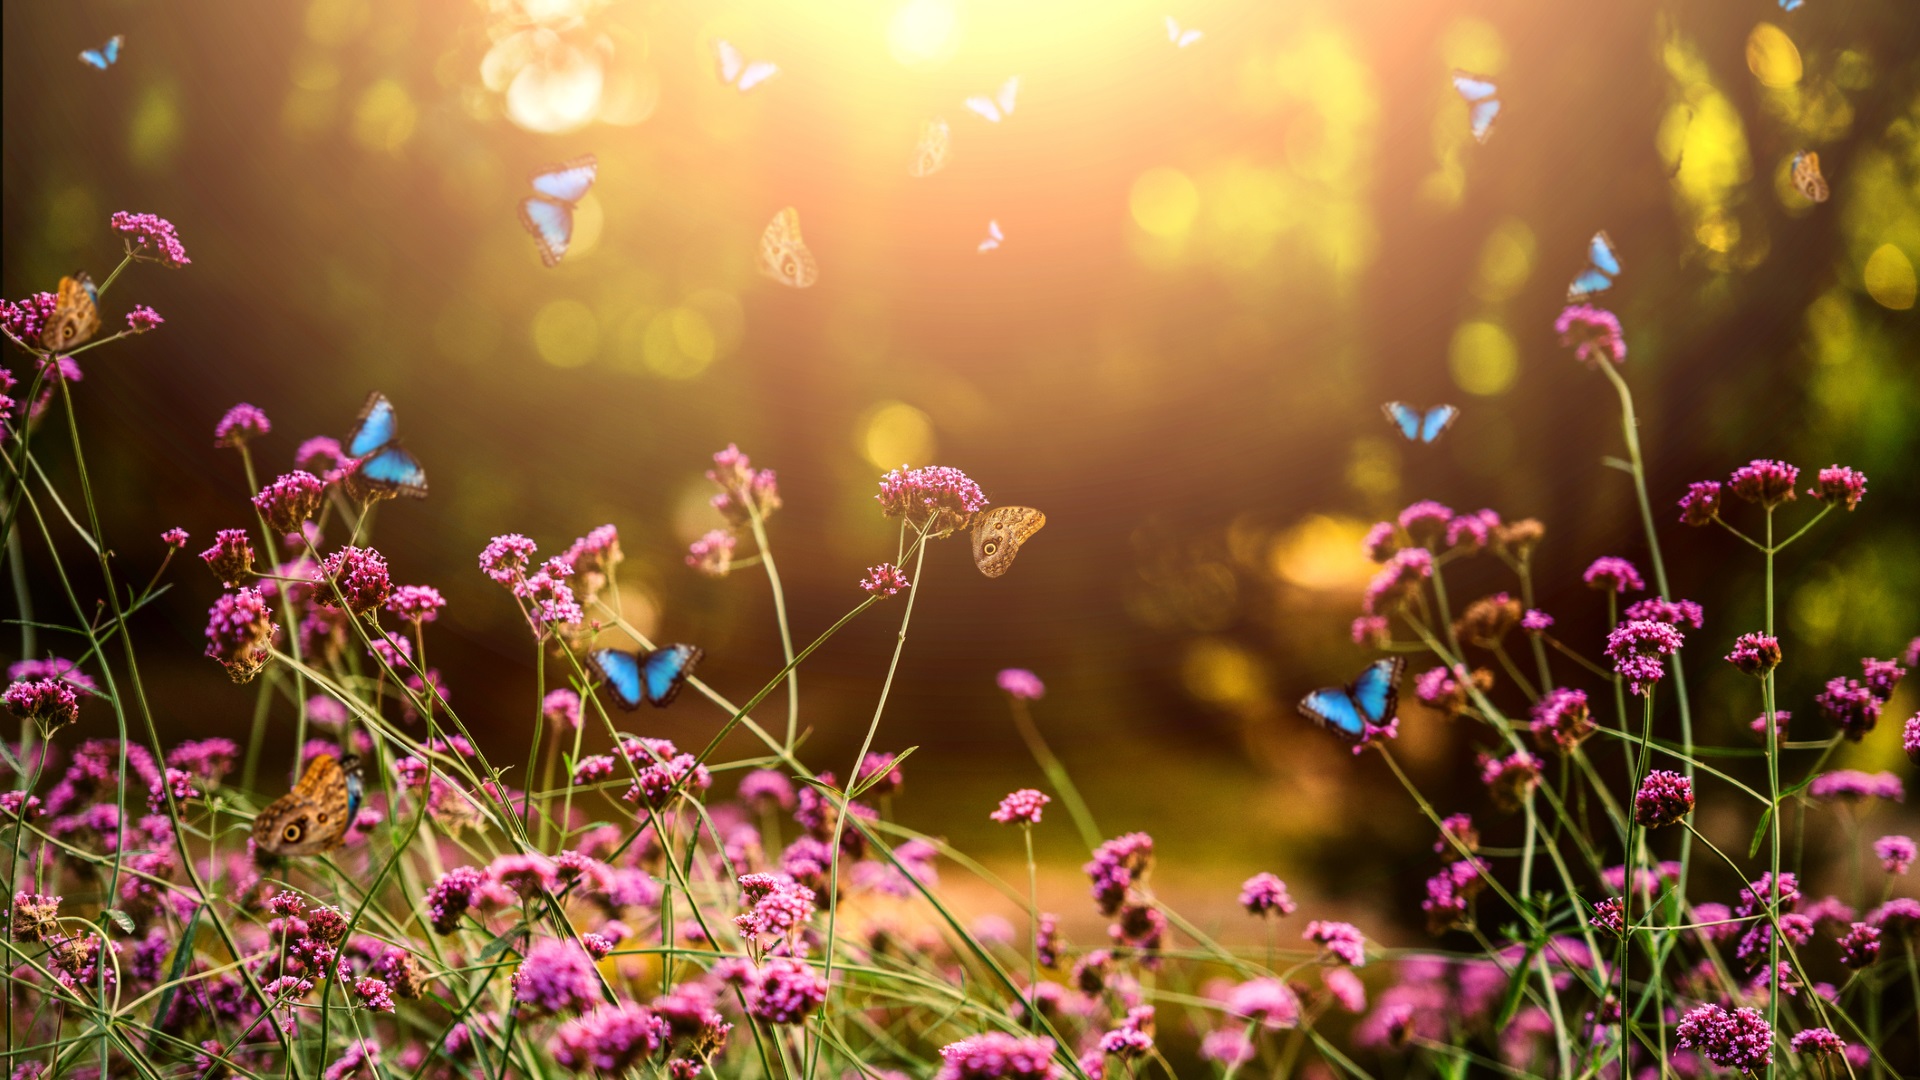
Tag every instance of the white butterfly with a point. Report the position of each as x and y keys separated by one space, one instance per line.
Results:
x=999 y=106
x=737 y=72
x=994 y=236
x=1181 y=38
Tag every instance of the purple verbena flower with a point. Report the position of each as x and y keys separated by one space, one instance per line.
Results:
x=1755 y=654
x=1839 y=484
x=1511 y=779
x=230 y=558
x=1267 y=1002
x=1613 y=574
x=241 y=424
x=1561 y=720
x=290 y=500
x=1425 y=521
x=611 y=1039
x=1117 y=866
x=784 y=991
x=936 y=499
x=1592 y=333
x=1860 y=946
x=1739 y=1039
x=1768 y=483
x=417 y=603
x=712 y=554
x=505 y=558
x=1342 y=940
x=319 y=455
x=151 y=238
x=1398 y=580
x=1910 y=738
x=1663 y=799
x=1381 y=541
x=562 y=709
x=557 y=977
x=1900 y=915
x=1817 y=1040
x=360 y=577
x=1021 y=683
x=1896 y=853
x=374 y=994
x=1536 y=621
x=766 y=789
x=1609 y=916
x=143 y=318
x=998 y=1056
x=1450 y=891
x=1852 y=707
x=744 y=490
x=1675 y=613
x=1021 y=806
x=1638 y=650
x=1263 y=894
x=240 y=633
x=884 y=580
x=49 y=703
x=1881 y=676
x=450 y=897
x=1372 y=630
x=1701 y=504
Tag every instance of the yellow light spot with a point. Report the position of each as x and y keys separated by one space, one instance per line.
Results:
x=726 y=320
x=639 y=608
x=1164 y=202
x=1221 y=673
x=631 y=96
x=1483 y=358
x=336 y=22
x=1506 y=261
x=893 y=433
x=1772 y=57
x=154 y=131
x=566 y=334
x=679 y=343
x=1322 y=553
x=924 y=33
x=311 y=69
x=1374 y=468
x=1890 y=278
x=1718 y=231
x=589 y=221
x=1472 y=45
x=384 y=118
x=559 y=92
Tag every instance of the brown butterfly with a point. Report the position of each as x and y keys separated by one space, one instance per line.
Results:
x=998 y=534
x=936 y=147
x=783 y=255
x=76 y=314
x=312 y=818
x=1806 y=176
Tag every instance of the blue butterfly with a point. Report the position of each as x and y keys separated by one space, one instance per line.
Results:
x=1603 y=265
x=104 y=56
x=382 y=468
x=1371 y=700
x=548 y=213
x=1483 y=102
x=651 y=677
x=1418 y=426
x=1791 y=5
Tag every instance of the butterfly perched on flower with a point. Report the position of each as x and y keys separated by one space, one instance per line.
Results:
x=1370 y=701
x=1806 y=176
x=381 y=468
x=1000 y=105
x=994 y=237
x=736 y=71
x=784 y=256
x=103 y=57
x=1181 y=38
x=1482 y=96
x=1603 y=265
x=547 y=214
x=646 y=677
x=1420 y=426
x=936 y=147
x=76 y=314
x=998 y=534
x=314 y=817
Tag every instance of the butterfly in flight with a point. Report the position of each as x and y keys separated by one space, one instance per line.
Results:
x=1806 y=176
x=1791 y=5
x=736 y=71
x=1603 y=265
x=547 y=214
x=381 y=467
x=994 y=237
x=1370 y=701
x=999 y=106
x=998 y=534
x=1181 y=38
x=936 y=147
x=1419 y=426
x=103 y=57
x=314 y=817
x=1483 y=102
x=652 y=678
x=784 y=257
x=76 y=314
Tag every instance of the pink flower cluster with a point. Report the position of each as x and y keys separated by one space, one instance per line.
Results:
x=150 y=237
x=935 y=498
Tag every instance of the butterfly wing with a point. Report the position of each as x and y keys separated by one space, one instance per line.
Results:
x=998 y=534
x=1404 y=416
x=1332 y=708
x=1376 y=693
x=936 y=146
x=994 y=236
x=1000 y=105
x=313 y=817
x=1474 y=88
x=76 y=314
x=1603 y=265
x=1601 y=254
x=1806 y=177
x=621 y=670
x=665 y=670
x=784 y=256
x=392 y=471
x=728 y=60
x=986 y=107
x=1008 y=90
x=1438 y=420
x=103 y=57
x=756 y=73
x=1483 y=103
x=1791 y=5
x=568 y=181
x=374 y=428
x=550 y=224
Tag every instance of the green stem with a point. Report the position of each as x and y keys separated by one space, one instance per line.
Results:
x=779 y=615
x=1056 y=773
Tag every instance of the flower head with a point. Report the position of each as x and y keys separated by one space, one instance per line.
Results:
x=1117 y=865
x=1839 y=484
x=360 y=576
x=142 y=319
x=611 y=1039
x=557 y=977
x=450 y=898
x=1561 y=720
x=1739 y=1039
x=1271 y=1003
x=784 y=991
x=1472 y=532
x=766 y=789
x=1676 y=613
x=1381 y=541
x=418 y=604
x=1896 y=853
x=1755 y=654
x=1264 y=894
x=290 y=500
x=1536 y=621
x=1372 y=630
x=1426 y=520
x=1638 y=649
x=1852 y=785
x=1612 y=574
x=1021 y=683
x=744 y=490
x=1701 y=504
x=1663 y=799
x=998 y=1056
x=1449 y=891
x=151 y=238
x=1609 y=915
x=936 y=498
x=240 y=633
x=884 y=580
x=1860 y=946
x=1880 y=676
x=1852 y=707
x=1398 y=580
x=1021 y=806
x=1592 y=333
x=319 y=455
x=241 y=424
x=1510 y=779
x=562 y=709
x=712 y=554
x=49 y=703
x=1817 y=1040
x=1910 y=738
x=506 y=558
x=230 y=558
x=1488 y=620
x=1343 y=941
x=1768 y=483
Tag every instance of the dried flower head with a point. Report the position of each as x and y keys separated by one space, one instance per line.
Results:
x=1488 y=620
